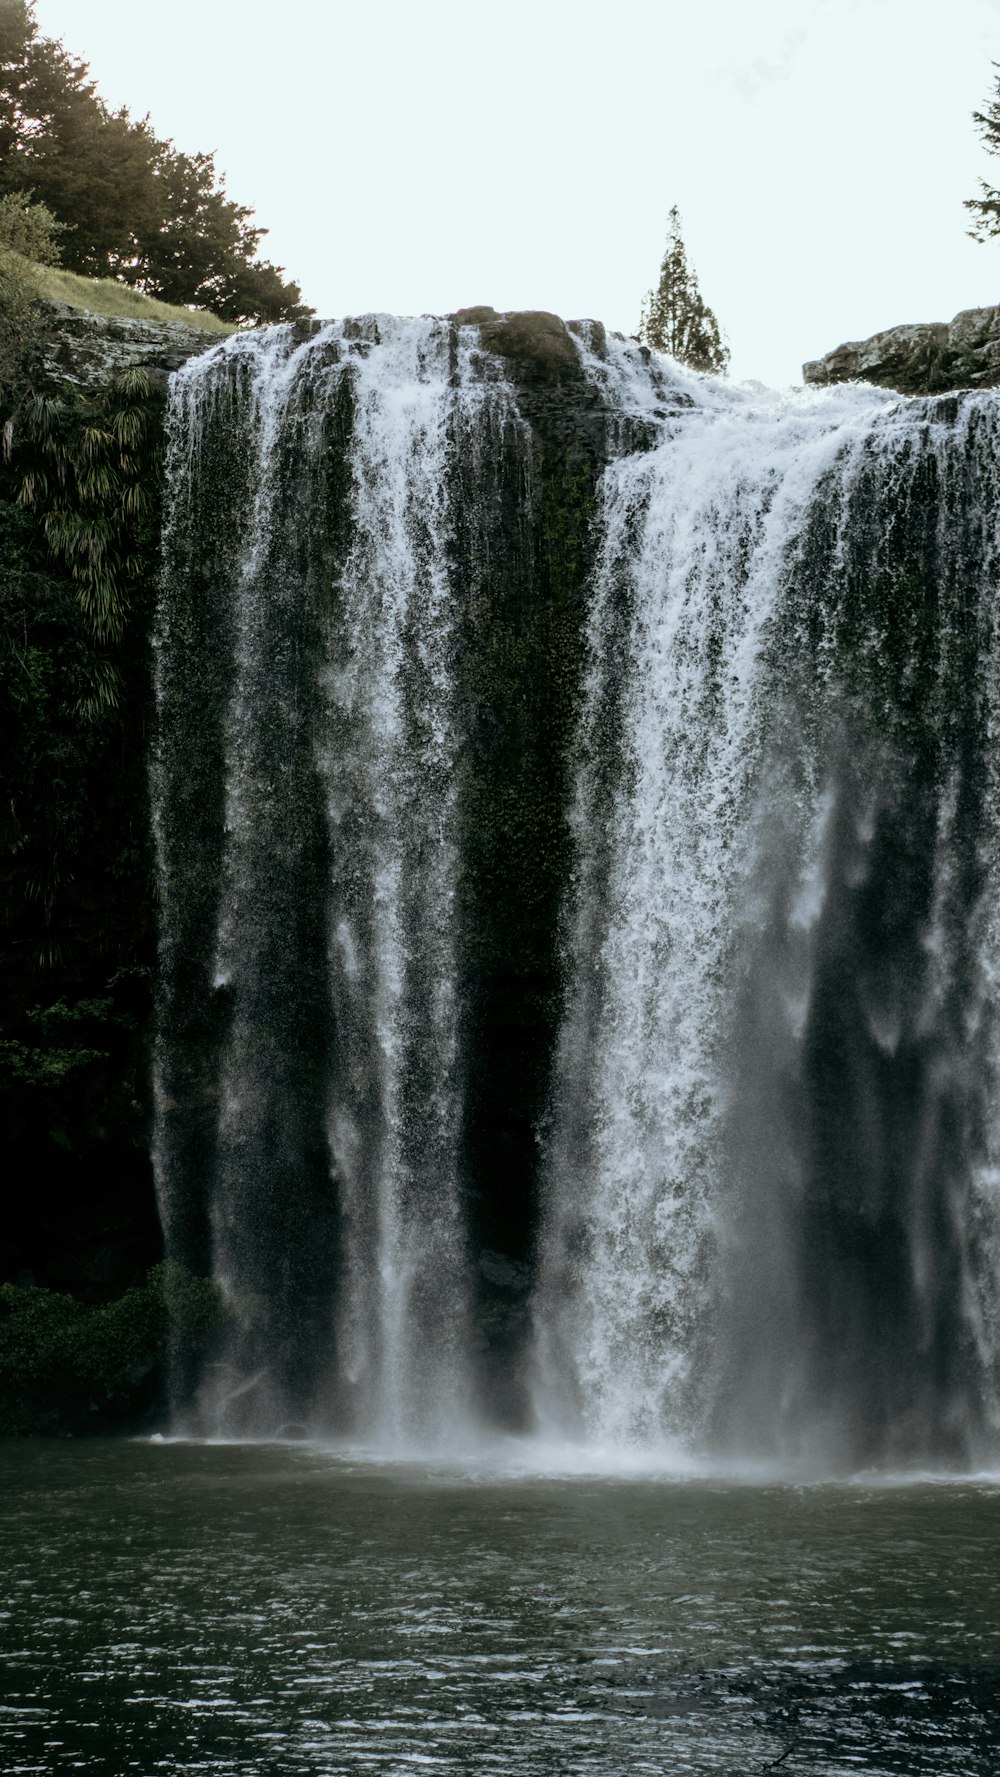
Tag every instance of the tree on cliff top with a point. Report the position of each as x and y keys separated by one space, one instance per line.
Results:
x=986 y=208
x=131 y=206
x=675 y=318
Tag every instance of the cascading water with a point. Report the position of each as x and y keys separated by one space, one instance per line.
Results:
x=318 y=1148
x=388 y=762
x=575 y=800
x=773 y=1196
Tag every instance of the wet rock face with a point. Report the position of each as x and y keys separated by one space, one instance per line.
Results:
x=924 y=359
x=88 y=349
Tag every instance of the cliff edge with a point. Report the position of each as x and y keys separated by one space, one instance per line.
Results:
x=86 y=348
x=923 y=359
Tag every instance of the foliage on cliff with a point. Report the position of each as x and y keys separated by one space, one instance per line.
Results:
x=27 y=242
x=132 y=206
x=68 y=1366
x=675 y=318
x=79 y=479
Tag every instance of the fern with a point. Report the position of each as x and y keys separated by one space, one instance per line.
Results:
x=83 y=459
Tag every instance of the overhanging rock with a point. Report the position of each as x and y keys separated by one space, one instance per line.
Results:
x=921 y=359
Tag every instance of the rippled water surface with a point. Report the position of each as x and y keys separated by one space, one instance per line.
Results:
x=248 y=1610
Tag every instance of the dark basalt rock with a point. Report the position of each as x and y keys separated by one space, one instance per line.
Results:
x=537 y=342
x=922 y=359
x=88 y=349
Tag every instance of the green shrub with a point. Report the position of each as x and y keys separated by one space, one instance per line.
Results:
x=27 y=242
x=66 y=1366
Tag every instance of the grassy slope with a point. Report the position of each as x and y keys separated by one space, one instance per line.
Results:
x=103 y=296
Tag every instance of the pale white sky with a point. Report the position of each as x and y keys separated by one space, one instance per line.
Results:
x=425 y=156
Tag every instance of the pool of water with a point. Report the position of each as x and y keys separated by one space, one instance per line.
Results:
x=243 y=1611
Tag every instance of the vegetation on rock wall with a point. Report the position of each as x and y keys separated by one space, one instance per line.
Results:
x=79 y=499
x=68 y=1367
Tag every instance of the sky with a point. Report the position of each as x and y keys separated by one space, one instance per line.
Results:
x=419 y=156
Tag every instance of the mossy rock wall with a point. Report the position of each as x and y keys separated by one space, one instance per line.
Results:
x=76 y=893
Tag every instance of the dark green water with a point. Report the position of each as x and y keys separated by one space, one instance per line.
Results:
x=248 y=1610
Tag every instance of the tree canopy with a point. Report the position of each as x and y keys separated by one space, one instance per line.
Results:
x=131 y=206
x=675 y=318
x=986 y=208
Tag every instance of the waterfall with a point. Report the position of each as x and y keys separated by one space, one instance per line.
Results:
x=772 y=1195
x=575 y=795
x=307 y=1070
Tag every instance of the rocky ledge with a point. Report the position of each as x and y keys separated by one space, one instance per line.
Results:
x=87 y=348
x=920 y=360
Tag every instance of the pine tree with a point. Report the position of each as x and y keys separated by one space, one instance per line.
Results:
x=675 y=318
x=986 y=209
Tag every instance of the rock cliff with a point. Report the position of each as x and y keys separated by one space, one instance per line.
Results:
x=923 y=359
x=88 y=349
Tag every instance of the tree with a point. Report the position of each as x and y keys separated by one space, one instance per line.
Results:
x=131 y=206
x=92 y=168
x=27 y=239
x=986 y=209
x=675 y=318
x=204 y=249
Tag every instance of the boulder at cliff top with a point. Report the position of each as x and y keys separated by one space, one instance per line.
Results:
x=924 y=359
